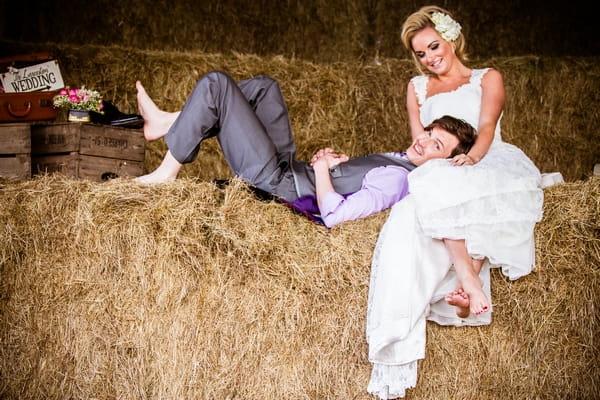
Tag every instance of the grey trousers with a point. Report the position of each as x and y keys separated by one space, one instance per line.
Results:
x=251 y=122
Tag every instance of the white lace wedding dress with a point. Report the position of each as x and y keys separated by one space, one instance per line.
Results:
x=493 y=205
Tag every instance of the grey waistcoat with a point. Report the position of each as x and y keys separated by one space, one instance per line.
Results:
x=346 y=177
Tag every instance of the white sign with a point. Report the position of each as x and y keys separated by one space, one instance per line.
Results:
x=45 y=76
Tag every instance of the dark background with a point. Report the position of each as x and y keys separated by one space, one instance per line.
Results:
x=317 y=30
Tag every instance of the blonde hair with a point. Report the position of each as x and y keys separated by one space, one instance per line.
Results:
x=421 y=19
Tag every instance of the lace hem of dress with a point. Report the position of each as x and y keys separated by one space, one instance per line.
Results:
x=391 y=381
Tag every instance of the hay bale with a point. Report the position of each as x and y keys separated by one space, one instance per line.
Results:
x=117 y=290
x=185 y=290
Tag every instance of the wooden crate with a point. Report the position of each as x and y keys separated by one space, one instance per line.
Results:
x=15 y=151
x=101 y=152
x=105 y=168
x=66 y=164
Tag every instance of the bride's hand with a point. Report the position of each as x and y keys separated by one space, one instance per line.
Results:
x=462 y=159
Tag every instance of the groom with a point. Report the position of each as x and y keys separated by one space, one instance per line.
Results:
x=250 y=120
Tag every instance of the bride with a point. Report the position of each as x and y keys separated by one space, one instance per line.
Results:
x=462 y=216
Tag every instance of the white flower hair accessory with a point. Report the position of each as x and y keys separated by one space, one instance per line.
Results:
x=448 y=28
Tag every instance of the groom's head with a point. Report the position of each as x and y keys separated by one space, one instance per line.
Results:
x=445 y=137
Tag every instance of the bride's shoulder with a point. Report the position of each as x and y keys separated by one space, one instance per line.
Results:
x=419 y=84
x=487 y=76
x=485 y=72
x=419 y=80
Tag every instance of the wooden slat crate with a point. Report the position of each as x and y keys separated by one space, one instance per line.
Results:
x=105 y=168
x=66 y=164
x=15 y=151
x=87 y=151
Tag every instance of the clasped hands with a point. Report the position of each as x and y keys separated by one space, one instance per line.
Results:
x=327 y=158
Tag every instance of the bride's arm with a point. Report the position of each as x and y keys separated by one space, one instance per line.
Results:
x=492 y=103
x=412 y=106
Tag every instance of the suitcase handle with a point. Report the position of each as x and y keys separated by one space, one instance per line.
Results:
x=19 y=113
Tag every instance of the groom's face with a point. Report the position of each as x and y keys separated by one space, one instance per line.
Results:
x=436 y=143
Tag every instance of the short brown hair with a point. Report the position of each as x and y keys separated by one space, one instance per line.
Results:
x=464 y=132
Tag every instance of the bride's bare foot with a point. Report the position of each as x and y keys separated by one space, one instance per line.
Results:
x=478 y=302
x=166 y=172
x=156 y=121
x=460 y=300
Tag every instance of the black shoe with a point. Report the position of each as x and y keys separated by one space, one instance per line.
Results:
x=112 y=116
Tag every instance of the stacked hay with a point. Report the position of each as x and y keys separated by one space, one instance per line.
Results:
x=184 y=290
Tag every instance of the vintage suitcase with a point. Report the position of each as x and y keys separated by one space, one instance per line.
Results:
x=31 y=106
x=26 y=106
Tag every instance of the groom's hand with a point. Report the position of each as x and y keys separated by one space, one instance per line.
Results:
x=328 y=158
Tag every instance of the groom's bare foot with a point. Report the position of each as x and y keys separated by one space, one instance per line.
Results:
x=166 y=172
x=154 y=177
x=460 y=300
x=156 y=121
